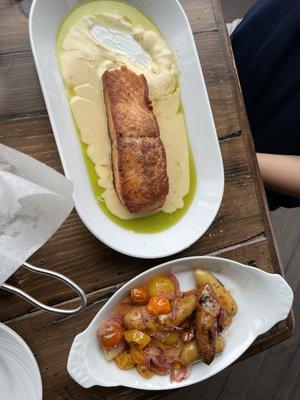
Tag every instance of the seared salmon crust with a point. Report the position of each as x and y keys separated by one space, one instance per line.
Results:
x=138 y=155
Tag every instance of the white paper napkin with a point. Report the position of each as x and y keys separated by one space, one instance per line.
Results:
x=34 y=202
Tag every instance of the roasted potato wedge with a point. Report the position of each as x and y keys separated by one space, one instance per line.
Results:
x=220 y=344
x=133 y=318
x=203 y=277
x=190 y=353
x=183 y=309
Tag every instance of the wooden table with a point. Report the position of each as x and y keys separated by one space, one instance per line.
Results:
x=241 y=230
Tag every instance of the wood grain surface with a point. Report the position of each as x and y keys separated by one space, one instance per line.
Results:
x=241 y=230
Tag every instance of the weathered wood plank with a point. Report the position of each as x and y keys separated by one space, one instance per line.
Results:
x=218 y=81
x=14 y=26
x=50 y=337
x=200 y=14
x=19 y=86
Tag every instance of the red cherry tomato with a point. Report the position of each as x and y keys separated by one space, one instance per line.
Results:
x=139 y=296
x=159 y=305
x=112 y=336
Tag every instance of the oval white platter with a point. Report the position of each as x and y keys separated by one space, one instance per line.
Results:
x=263 y=299
x=20 y=377
x=168 y=15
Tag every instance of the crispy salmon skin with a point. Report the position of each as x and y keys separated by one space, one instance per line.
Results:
x=138 y=155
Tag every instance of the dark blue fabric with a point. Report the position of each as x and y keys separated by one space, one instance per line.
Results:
x=266 y=46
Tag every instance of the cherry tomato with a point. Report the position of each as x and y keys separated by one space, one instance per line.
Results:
x=124 y=361
x=161 y=284
x=138 y=337
x=139 y=296
x=159 y=305
x=171 y=338
x=112 y=336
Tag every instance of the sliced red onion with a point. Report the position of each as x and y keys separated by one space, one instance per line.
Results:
x=159 y=371
x=161 y=336
x=147 y=359
x=187 y=335
x=110 y=354
x=173 y=353
x=102 y=328
x=117 y=318
x=167 y=295
x=176 y=284
x=143 y=315
x=174 y=311
x=162 y=363
x=153 y=351
x=113 y=319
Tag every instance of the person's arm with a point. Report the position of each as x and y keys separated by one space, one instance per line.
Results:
x=280 y=173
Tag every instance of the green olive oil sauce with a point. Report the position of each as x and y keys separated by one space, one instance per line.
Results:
x=157 y=222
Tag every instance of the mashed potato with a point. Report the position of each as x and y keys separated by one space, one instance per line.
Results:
x=83 y=61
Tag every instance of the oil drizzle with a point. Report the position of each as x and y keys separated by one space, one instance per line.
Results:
x=159 y=221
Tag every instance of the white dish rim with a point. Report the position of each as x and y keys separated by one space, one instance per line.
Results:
x=144 y=253
x=29 y=353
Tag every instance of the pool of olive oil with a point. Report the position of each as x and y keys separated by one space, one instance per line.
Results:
x=157 y=222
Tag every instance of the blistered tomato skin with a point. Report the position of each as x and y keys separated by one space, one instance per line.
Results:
x=159 y=305
x=161 y=284
x=112 y=336
x=124 y=361
x=138 y=337
x=139 y=296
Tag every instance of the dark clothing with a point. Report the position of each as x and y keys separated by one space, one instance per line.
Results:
x=266 y=46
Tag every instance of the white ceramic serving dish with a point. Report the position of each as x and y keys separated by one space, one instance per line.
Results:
x=20 y=378
x=263 y=300
x=168 y=15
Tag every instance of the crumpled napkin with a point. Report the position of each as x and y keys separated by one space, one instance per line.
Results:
x=34 y=202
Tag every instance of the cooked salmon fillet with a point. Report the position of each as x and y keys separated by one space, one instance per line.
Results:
x=138 y=155
x=129 y=109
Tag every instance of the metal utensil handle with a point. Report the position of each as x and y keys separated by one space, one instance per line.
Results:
x=60 y=277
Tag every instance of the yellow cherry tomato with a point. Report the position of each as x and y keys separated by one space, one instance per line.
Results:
x=160 y=284
x=171 y=338
x=144 y=371
x=124 y=361
x=139 y=296
x=137 y=354
x=138 y=337
x=159 y=305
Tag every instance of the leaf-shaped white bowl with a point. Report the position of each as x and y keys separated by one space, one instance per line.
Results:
x=263 y=300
